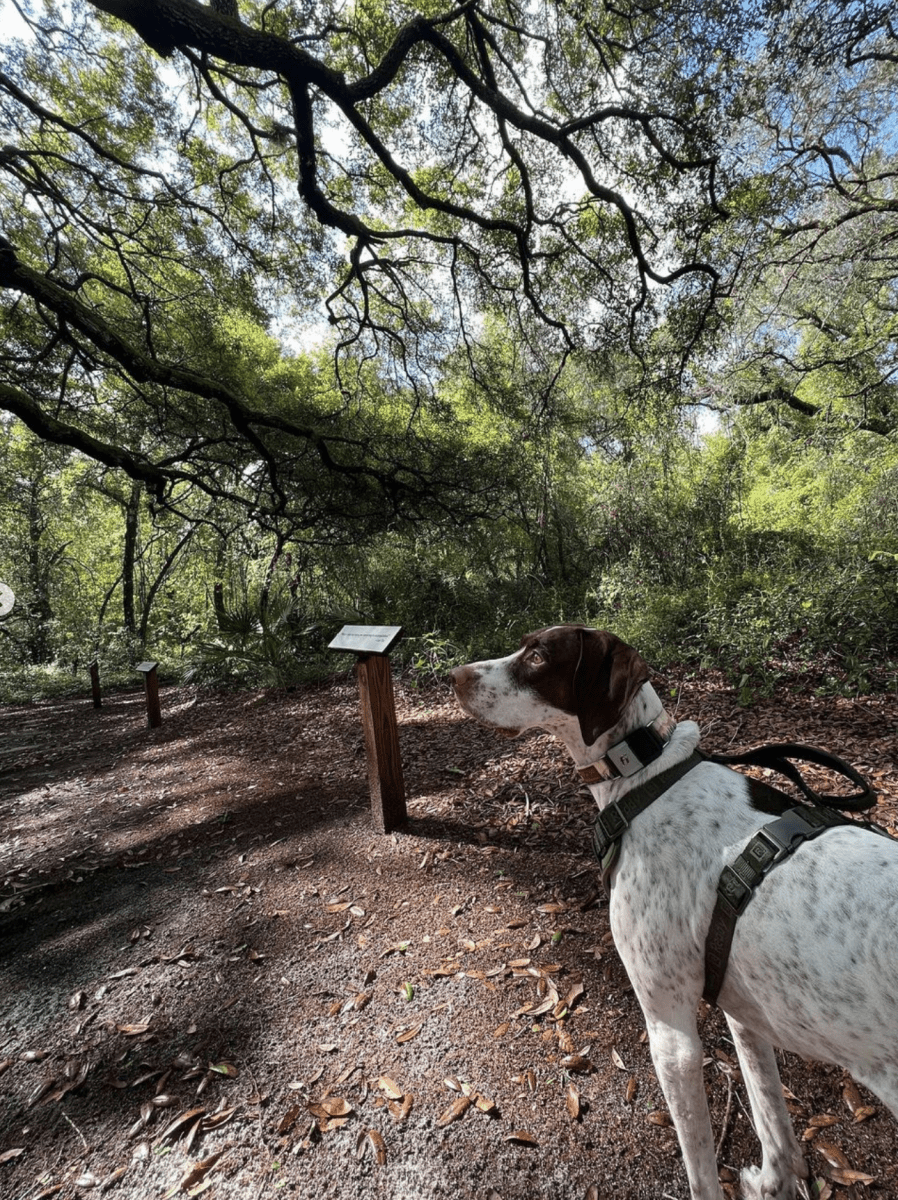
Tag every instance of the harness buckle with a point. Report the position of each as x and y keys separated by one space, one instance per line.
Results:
x=779 y=847
x=611 y=823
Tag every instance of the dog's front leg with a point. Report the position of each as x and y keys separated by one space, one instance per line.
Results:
x=677 y=1054
x=783 y=1168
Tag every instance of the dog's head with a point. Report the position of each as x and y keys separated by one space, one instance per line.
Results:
x=562 y=671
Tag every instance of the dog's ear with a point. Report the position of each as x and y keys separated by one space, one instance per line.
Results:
x=608 y=675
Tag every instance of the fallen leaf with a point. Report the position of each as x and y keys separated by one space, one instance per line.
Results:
x=336 y=1106
x=457 y=1109
x=399 y=1112
x=572 y=1101
x=224 y=1068
x=851 y=1095
x=180 y=1122
x=576 y=1062
x=484 y=1104
x=521 y=1136
x=192 y=1134
x=576 y=991
x=832 y=1154
x=390 y=1087
x=112 y=1179
x=396 y=948
x=659 y=1117
x=39 y=1092
x=411 y=1032
x=218 y=1119
x=632 y=1087
x=133 y=1030
x=9 y=1154
x=864 y=1112
x=617 y=1060
x=371 y=1139
x=192 y=1179
x=848 y=1176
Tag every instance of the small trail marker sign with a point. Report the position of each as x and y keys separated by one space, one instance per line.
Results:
x=7 y=600
x=151 y=686
x=372 y=644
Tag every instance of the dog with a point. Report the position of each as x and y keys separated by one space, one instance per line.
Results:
x=812 y=967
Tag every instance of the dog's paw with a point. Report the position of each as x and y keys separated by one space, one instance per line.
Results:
x=770 y=1185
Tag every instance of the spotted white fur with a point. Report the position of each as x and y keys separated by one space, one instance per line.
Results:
x=813 y=967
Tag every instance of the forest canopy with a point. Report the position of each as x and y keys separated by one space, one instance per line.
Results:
x=459 y=316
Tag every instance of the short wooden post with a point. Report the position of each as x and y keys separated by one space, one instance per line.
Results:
x=151 y=686
x=385 y=780
x=95 y=684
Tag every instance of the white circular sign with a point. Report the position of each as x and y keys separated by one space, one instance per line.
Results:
x=7 y=599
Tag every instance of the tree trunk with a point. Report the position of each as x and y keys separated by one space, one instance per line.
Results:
x=39 y=578
x=129 y=558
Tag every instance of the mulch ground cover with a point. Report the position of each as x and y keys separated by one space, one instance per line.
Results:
x=218 y=979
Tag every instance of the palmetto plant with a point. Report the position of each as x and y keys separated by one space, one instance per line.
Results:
x=257 y=645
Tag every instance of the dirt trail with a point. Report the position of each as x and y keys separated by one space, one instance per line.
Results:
x=199 y=920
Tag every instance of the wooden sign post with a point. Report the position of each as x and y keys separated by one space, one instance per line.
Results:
x=95 y=684
x=372 y=644
x=151 y=685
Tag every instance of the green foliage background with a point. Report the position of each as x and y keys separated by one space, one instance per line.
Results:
x=758 y=547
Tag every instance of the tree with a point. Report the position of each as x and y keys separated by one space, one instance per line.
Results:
x=398 y=174
x=813 y=313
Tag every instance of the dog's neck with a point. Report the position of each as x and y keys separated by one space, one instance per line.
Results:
x=629 y=746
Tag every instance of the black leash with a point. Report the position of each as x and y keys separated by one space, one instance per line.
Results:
x=776 y=757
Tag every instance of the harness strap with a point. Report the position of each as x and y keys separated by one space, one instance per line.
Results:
x=615 y=819
x=772 y=843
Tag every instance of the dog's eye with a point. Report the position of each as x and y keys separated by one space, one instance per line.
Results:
x=535 y=658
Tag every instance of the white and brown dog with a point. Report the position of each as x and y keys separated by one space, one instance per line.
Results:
x=813 y=966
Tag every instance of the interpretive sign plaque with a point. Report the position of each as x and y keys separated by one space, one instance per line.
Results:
x=367 y=639
x=371 y=644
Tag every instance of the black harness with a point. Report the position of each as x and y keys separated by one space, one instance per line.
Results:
x=773 y=843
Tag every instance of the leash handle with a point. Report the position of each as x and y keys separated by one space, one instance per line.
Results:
x=776 y=756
